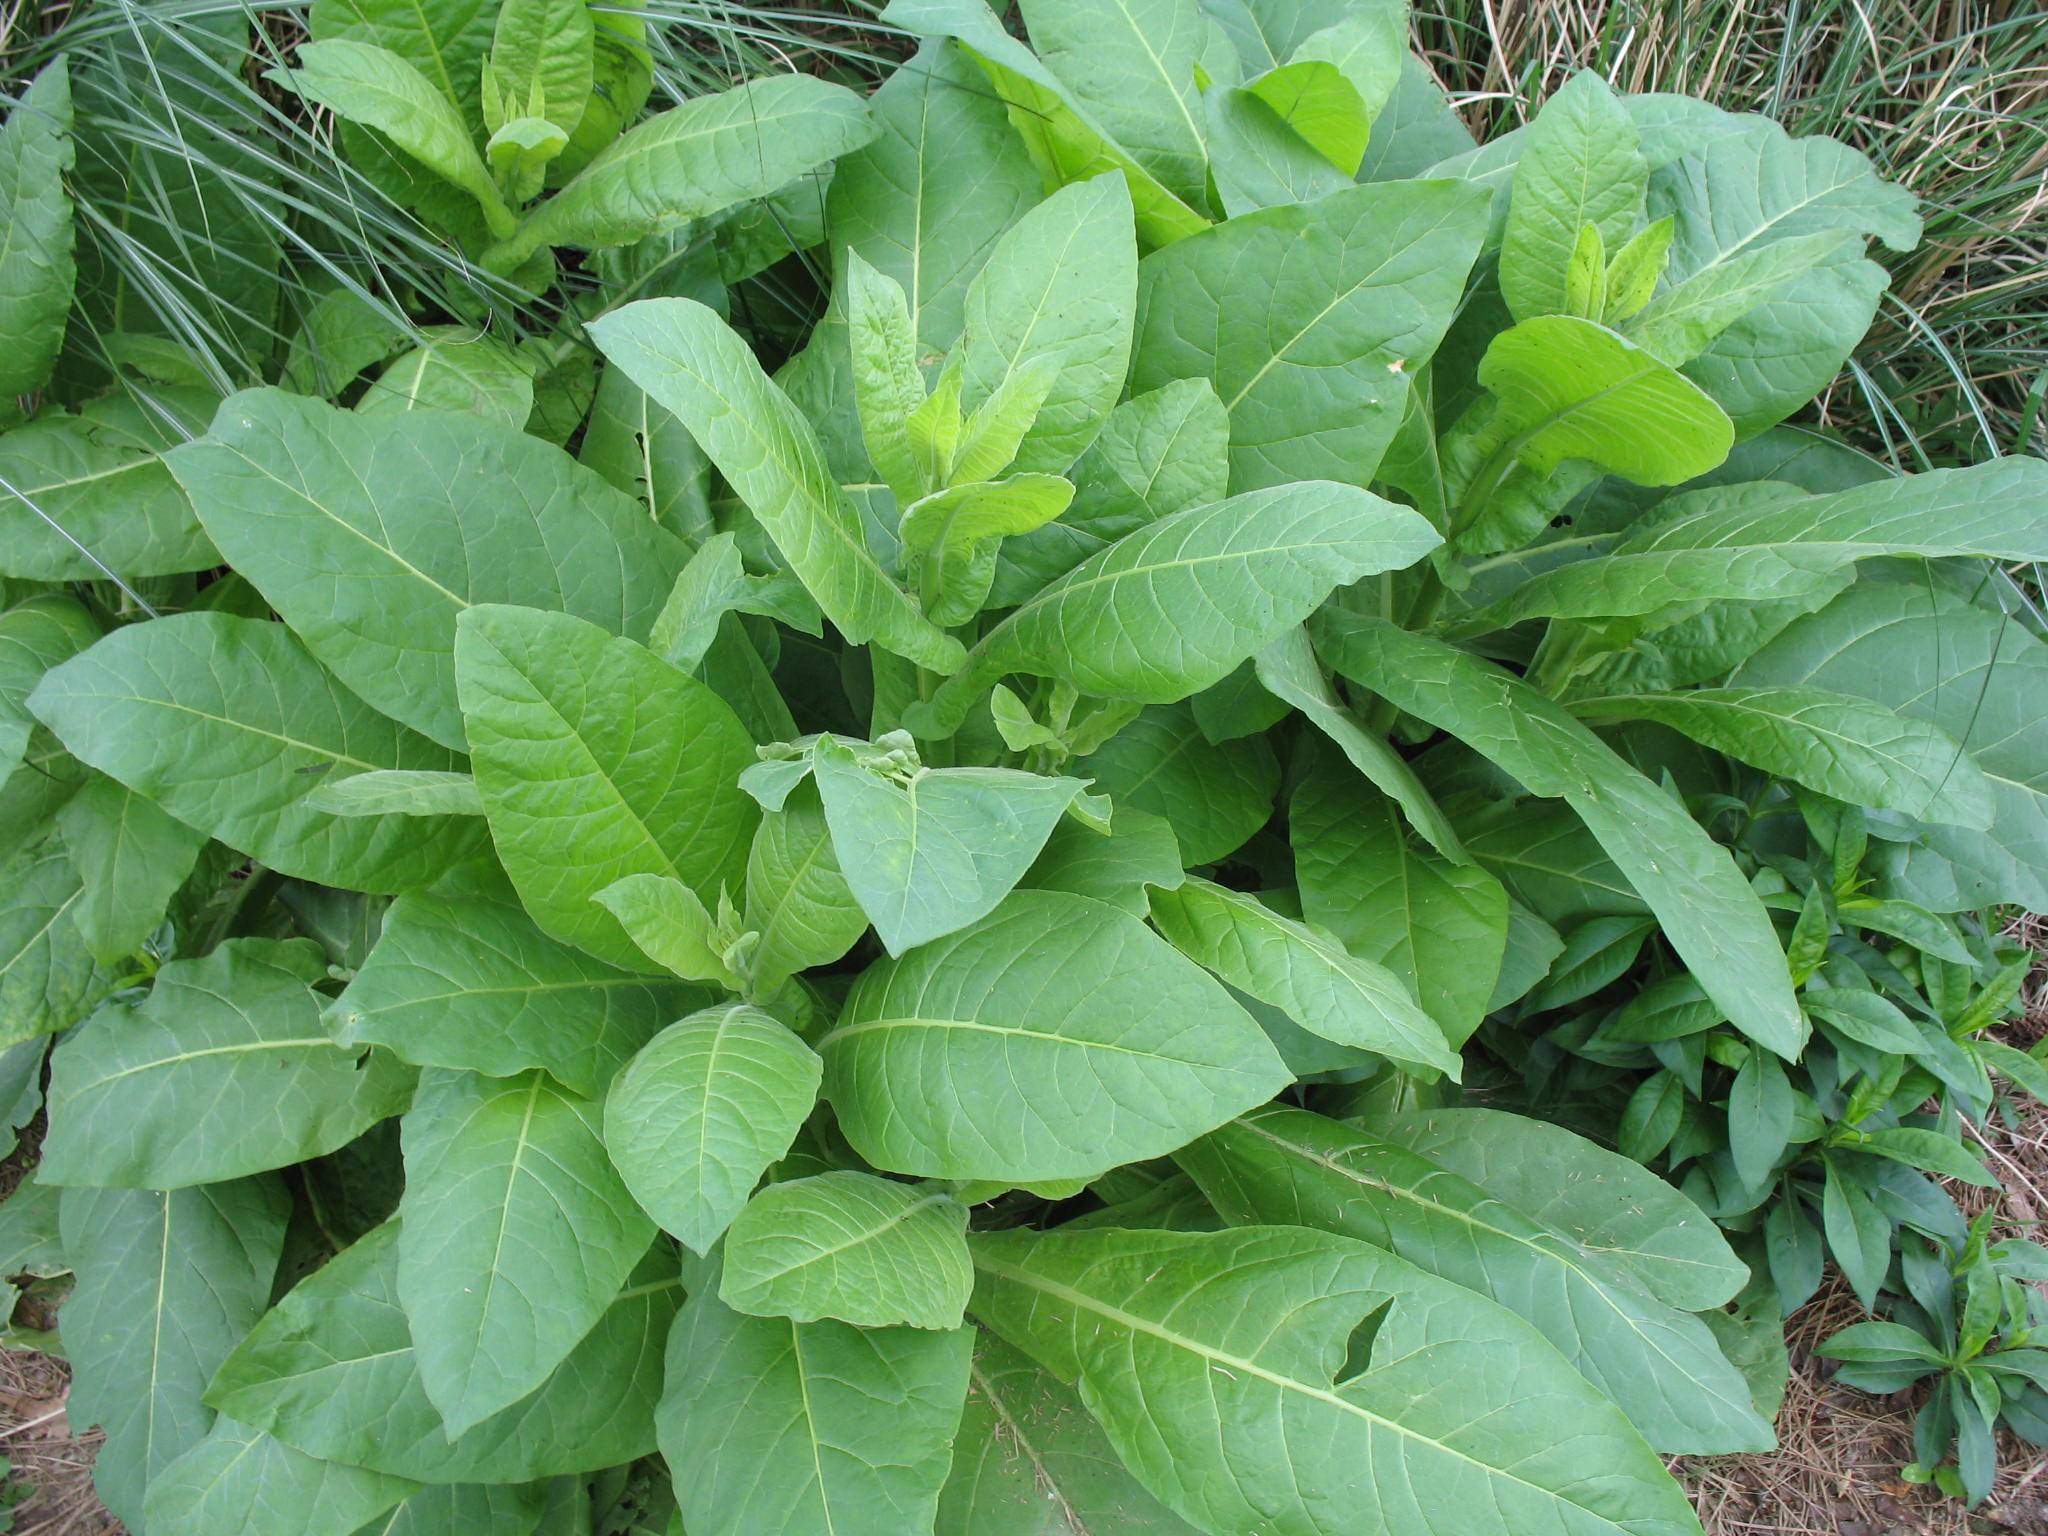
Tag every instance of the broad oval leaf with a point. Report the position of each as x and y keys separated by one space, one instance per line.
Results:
x=239 y=1481
x=229 y=724
x=1176 y=606
x=222 y=1071
x=848 y=1245
x=690 y=361
x=516 y=1236
x=808 y=1429
x=131 y=856
x=37 y=272
x=1308 y=320
x=48 y=977
x=1708 y=911
x=701 y=1112
x=1313 y=980
x=1580 y=164
x=370 y=536
x=572 y=728
x=1219 y=1367
x=1054 y=1039
x=330 y=1371
x=1661 y=1366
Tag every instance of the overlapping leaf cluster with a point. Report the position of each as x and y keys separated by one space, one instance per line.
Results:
x=888 y=948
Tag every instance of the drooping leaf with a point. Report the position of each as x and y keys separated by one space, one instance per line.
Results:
x=1053 y=1039
x=223 y=1071
x=37 y=271
x=865 y=1250
x=1707 y=909
x=1220 y=1367
x=808 y=1429
x=684 y=356
x=1174 y=607
x=702 y=1111
x=1659 y=1365
x=167 y=1284
x=1308 y=320
x=228 y=724
x=48 y=977
x=797 y=896
x=1139 y=850
x=330 y=1371
x=239 y=1481
x=515 y=1236
x=570 y=727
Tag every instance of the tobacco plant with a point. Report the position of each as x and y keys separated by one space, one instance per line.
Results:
x=888 y=947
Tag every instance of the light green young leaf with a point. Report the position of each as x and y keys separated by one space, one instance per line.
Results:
x=1581 y=164
x=1174 y=607
x=570 y=726
x=48 y=978
x=239 y=1481
x=671 y=926
x=1219 y=1367
x=399 y=792
x=851 y=1246
x=1440 y=927
x=694 y=160
x=515 y=1236
x=1029 y=1461
x=955 y=520
x=1659 y=1365
x=1066 y=142
x=229 y=724
x=367 y=537
x=37 y=272
x=519 y=153
x=95 y=482
x=1848 y=748
x=131 y=857
x=330 y=1370
x=223 y=1071
x=1309 y=320
x=1632 y=275
x=1053 y=1039
x=808 y=1429
x=1708 y=912
x=1258 y=161
x=1338 y=78
x=702 y=1111
x=382 y=90
x=1310 y=978
x=167 y=1284
x=938 y=849
x=887 y=386
x=542 y=58
x=456 y=370
x=1689 y=316
x=468 y=981
x=690 y=361
x=1620 y=1213
x=797 y=898
x=1211 y=797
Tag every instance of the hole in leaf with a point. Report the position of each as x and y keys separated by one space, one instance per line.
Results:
x=1358 y=1348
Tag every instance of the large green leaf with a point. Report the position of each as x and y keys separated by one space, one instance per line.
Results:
x=468 y=981
x=37 y=272
x=808 y=1429
x=572 y=728
x=369 y=537
x=1067 y=142
x=48 y=978
x=1848 y=748
x=1211 y=797
x=943 y=179
x=937 y=849
x=798 y=900
x=696 y=1118
x=1226 y=1371
x=444 y=39
x=466 y=1509
x=239 y=1481
x=1619 y=1211
x=865 y=1250
x=228 y=724
x=454 y=371
x=689 y=360
x=1580 y=164
x=1441 y=928
x=35 y=635
x=131 y=856
x=167 y=1284
x=1980 y=676
x=697 y=159
x=541 y=64
x=1176 y=606
x=515 y=1235
x=222 y=1071
x=1308 y=977
x=1054 y=1039
x=1029 y=1461
x=1708 y=912
x=1308 y=319
x=84 y=494
x=1138 y=851
x=1661 y=1366
x=330 y=1371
